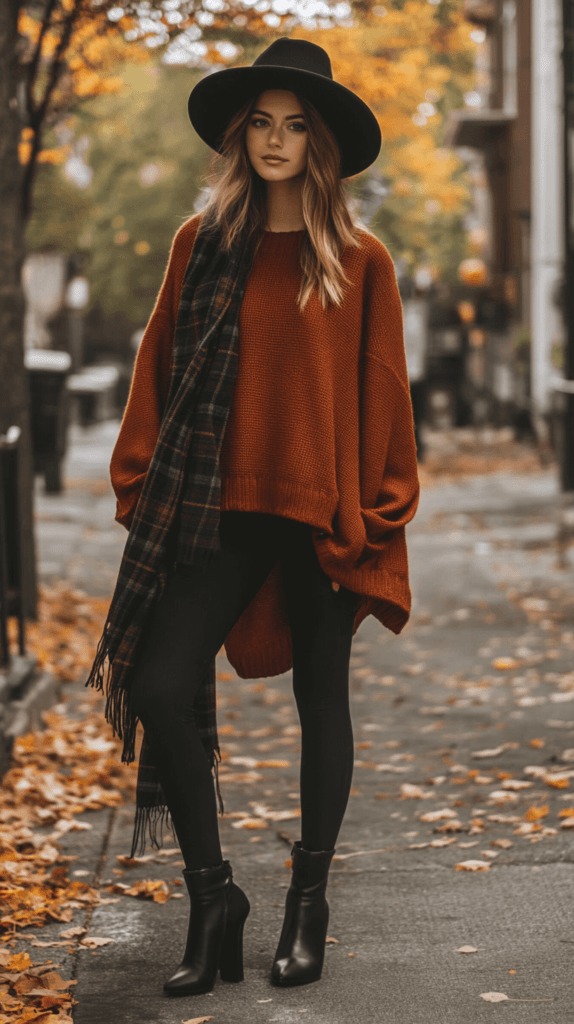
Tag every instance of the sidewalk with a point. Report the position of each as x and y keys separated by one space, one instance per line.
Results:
x=484 y=665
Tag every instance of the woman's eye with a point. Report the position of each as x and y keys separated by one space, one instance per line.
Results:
x=261 y=121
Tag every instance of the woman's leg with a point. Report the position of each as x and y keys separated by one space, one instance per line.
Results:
x=321 y=621
x=191 y=622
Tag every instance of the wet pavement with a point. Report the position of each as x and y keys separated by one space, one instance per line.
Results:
x=485 y=665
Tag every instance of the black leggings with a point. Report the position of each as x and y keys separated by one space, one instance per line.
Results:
x=191 y=622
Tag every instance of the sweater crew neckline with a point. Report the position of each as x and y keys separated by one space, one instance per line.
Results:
x=281 y=241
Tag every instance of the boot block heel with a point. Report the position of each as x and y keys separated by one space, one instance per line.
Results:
x=231 y=955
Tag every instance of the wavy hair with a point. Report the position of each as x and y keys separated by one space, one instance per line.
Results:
x=237 y=203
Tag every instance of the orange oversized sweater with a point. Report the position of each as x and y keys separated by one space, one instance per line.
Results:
x=320 y=430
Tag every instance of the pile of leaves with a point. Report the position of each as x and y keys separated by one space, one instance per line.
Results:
x=66 y=633
x=70 y=767
x=33 y=991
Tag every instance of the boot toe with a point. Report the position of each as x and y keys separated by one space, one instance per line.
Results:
x=186 y=983
x=290 y=971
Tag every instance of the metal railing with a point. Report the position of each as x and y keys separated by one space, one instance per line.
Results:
x=11 y=598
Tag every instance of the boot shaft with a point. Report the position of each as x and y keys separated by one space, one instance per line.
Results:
x=310 y=870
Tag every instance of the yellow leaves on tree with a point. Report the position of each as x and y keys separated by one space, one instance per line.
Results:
x=407 y=67
x=67 y=70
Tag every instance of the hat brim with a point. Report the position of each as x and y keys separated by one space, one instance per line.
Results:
x=217 y=97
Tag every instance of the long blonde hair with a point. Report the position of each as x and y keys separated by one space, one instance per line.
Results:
x=237 y=203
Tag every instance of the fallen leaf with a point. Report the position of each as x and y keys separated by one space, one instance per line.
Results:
x=567 y=822
x=504 y=844
x=450 y=826
x=410 y=792
x=502 y=796
x=499 y=997
x=250 y=823
x=91 y=942
x=536 y=813
x=196 y=1020
x=472 y=865
x=557 y=781
x=467 y=949
x=19 y=962
x=246 y=762
x=496 y=751
x=132 y=862
x=527 y=828
x=444 y=812
x=516 y=784
x=329 y=940
x=71 y=933
x=506 y=664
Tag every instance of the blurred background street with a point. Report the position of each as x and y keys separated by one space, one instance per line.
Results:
x=452 y=883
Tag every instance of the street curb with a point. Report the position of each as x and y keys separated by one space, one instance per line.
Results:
x=33 y=691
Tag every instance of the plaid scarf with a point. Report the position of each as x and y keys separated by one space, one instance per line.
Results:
x=181 y=492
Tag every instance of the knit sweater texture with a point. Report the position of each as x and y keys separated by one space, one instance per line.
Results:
x=320 y=430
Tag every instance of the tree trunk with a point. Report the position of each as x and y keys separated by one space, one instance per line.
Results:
x=14 y=399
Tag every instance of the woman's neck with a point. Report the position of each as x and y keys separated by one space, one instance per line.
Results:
x=285 y=205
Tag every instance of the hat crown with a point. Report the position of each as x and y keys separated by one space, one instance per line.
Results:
x=296 y=53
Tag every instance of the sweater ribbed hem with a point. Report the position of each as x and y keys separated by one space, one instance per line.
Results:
x=279 y=496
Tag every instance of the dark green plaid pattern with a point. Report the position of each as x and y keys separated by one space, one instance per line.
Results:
x=183 y=479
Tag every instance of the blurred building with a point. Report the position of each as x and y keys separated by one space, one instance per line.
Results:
x=511 y=130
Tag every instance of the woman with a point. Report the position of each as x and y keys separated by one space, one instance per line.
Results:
x=265 y=469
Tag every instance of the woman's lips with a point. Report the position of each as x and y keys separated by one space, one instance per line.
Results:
x=274 y=160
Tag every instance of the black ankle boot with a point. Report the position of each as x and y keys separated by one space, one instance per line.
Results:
x=218 y=912
x=301 y=949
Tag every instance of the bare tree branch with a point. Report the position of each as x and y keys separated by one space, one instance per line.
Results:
x=38 y=114
x=32 y=70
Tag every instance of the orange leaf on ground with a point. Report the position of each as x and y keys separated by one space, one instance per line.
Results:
x=536 y=813
x=19 y=962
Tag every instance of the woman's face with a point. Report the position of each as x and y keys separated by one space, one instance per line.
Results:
x=276 y=136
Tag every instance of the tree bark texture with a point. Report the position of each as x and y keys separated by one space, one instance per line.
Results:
x=14 y=395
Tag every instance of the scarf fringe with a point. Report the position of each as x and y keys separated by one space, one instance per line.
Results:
x=149 y=820
x=214 y=759
x=118 y=712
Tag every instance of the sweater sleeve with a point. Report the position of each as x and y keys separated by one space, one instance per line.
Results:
x=141 y=421
x=388 y=461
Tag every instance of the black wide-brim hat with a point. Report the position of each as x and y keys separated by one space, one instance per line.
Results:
x=305 y=69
